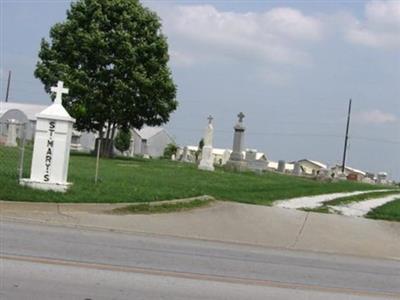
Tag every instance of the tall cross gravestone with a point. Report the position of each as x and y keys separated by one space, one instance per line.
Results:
x=49 y=170
x=207 y=159
x=236 y=160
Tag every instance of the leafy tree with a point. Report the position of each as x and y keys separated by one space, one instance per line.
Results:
x=169 y=150
x=123 y=140
x=112 y=55
x=201 y=144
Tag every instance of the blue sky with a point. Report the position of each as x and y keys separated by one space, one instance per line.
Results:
x=290 y=66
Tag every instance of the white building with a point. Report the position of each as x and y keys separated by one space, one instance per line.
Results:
x=311 y=167
x=150 y=141
x=273 y=165
x=349 y=172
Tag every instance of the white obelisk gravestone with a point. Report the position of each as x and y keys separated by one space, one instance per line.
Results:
x=207 y=159
x=50 y=159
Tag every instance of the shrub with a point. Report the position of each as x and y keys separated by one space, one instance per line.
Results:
x=123 y=140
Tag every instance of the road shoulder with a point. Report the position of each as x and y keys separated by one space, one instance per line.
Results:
x=228 y=222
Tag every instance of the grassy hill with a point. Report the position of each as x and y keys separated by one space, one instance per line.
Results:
x=138 y=180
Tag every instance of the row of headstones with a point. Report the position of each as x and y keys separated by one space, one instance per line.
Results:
x=236 y=160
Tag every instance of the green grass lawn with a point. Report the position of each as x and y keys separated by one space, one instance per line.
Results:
x=389 y=211
x=139 y=180
x=146 y=208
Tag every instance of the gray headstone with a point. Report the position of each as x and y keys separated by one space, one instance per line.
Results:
x=297 y=169
x=185 y=154
x=238 y=140
x=12 y=133
x=281 y=166
x=236 y=162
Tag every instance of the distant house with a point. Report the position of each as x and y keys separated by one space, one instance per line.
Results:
x=150 y=141
x=311 y=167
x=349 y=172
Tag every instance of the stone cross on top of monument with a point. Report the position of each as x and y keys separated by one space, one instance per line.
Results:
x=59 y=90
x=210 y=119
x=241 y=117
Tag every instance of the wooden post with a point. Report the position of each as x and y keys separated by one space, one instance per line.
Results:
x=346 y=138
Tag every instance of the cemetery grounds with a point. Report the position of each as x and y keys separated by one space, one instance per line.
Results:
x=137 y=180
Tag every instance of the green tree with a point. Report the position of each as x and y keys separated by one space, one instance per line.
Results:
x=123 y=140
x=112 y=55
x=169 y=150
x=199 y=149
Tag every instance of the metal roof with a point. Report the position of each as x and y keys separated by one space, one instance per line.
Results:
x=317 y=163
x=147 y=132
x=30 y=110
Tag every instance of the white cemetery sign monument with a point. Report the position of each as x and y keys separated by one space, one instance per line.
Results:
x=49 y=170
x=207 y=159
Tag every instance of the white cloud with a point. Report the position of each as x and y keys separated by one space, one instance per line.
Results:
x=375 y=117
x=381 y=27
x=275 y=78
x=276 y=35
x=292 y=23
x=384 y=13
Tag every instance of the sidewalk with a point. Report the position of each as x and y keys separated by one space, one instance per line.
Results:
x=228 y=222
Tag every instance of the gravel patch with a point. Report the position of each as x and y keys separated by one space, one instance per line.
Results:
x=316 y=201
x=359 y=209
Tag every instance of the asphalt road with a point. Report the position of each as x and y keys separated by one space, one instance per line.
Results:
x=49 y=262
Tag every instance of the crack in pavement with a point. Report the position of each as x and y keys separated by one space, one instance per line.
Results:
x=300 y=231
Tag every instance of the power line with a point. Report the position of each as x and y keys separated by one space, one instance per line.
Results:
x=293 y=134
x=375 y=140
x=289 y=134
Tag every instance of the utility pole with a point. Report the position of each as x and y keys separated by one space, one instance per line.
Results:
x=346 y=138
x=8 y=85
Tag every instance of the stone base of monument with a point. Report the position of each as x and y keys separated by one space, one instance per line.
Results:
x=236 y=165
x=341 y=176
x=41 y=185
x=257 y=166
x=207 y=160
